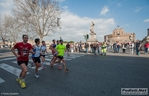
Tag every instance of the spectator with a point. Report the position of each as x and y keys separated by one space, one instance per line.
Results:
x=146 y=46
x=124 y=47
x=98 y=48
x=80 y=46
x=91 y=46
x=68 y=48
x=86 y=47
x=138 y=46
x=115 y=48
x=131 y=47
x=118 y=47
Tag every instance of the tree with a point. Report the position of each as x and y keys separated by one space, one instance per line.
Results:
x=3 y=31
x=71 y=41
x=13 y=28
x=40 y=15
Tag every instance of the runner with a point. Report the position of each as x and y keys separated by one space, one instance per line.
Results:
x=37 y=54
x=23 y=49
x=61 y=49
x=43 y=50
x=52 y=47
x=55 y=56
x=59 y=66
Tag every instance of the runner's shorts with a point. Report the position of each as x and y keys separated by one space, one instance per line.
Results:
x=60 y=57
x=37 y=60
x=22 y=62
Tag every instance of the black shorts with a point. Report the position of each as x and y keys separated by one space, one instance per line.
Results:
x=42 y=55
x=60 y=57
x=37 y=60
x=22 y=62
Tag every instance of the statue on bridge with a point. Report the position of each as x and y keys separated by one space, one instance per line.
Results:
x=92 y=27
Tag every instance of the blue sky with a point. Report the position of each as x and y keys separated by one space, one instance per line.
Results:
x=128 y=14
x=132 y=15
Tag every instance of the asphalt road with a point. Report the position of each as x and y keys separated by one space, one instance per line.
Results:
x=89 y=75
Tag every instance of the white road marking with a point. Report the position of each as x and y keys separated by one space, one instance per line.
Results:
x=1 y=80
x=8 y=59
x=11 y=69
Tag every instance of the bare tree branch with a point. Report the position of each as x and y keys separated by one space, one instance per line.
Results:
x=40 y=14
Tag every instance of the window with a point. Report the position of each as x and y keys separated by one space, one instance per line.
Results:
x=118 y=33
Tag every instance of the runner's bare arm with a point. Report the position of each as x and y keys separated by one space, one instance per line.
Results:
x=51 y=48
x=32 y=49
x=46 y=51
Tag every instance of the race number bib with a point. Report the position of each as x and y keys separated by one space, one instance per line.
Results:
x=25 y=52
x=43 y=52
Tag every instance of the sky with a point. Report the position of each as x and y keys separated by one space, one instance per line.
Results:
x=77 y=15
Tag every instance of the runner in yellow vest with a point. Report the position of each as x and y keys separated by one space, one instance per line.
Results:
x=103 y=48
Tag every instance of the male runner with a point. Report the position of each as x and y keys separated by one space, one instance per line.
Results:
x=23 y=49
x=52 y=47
x=42 y=56
x=61 y=49
x=37 y=54
x=55 y=53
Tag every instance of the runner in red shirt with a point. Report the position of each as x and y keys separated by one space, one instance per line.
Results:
x=23 y=49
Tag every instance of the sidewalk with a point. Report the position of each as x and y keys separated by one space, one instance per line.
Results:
x=127 y=54
x=111 y=53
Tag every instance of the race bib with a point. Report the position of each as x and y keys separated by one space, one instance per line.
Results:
x=43 y=52
x=25 y=52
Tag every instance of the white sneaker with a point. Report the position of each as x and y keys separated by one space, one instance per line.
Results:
x=36 y=75
x=43 y=67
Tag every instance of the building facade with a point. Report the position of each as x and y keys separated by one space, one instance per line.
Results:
x=145 y=39
x=120 y=35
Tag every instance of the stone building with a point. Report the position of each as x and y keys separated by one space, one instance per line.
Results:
x=120 y=35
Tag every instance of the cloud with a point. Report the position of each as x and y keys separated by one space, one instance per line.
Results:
x=74 y=27
x=65 y=8
x=60 y=0
x=126 y=25
x=104 y=10
x=138 y=9
x=6 y=6
x=119 y=4
x=146 y=20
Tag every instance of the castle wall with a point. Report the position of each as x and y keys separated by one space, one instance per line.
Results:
x=119 y=35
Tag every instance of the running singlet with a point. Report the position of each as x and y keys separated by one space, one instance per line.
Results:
x=53 y=46
x=43 y=49
x=23 y=50
x=61 y=49
x=37 y=52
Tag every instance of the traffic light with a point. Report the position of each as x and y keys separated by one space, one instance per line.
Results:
x=87 y=36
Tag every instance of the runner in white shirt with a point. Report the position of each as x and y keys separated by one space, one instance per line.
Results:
x=43 y=53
